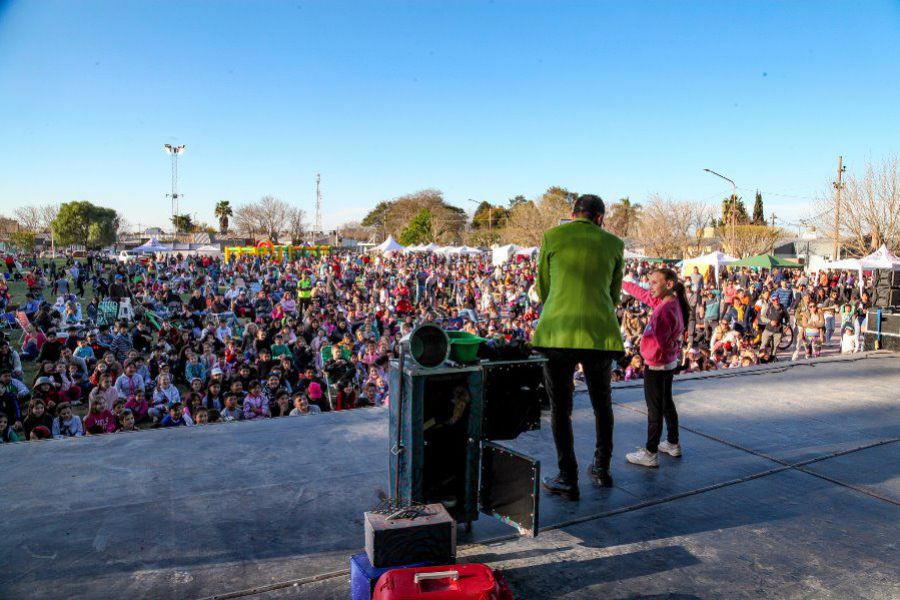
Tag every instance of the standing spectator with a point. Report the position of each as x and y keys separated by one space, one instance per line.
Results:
x=660 y=346
x=776 y=319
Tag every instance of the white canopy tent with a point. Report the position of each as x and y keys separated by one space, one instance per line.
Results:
x=469 y=251
x=431 y=247
x=208 y=250
x=714 y=260
x=412 y=249
x=529 y=251
x=388 y=245
x=880 y=259
x=633 y=255
x=501 y=254
x=153 y=246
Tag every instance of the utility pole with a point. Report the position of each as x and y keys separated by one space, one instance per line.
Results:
x=838 y=186
x=773 y=220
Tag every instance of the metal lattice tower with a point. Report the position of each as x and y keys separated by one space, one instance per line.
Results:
x=319 y=229
x=174 y=152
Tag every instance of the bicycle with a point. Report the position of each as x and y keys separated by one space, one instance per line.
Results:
x=787 y=337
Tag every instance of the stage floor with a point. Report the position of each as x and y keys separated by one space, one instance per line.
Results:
x=789 y=487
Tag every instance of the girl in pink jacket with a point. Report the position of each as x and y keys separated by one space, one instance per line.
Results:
x=660 y=347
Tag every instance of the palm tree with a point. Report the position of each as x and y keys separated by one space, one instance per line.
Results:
x=183 y=223
x=624 y=218
x=223 y=211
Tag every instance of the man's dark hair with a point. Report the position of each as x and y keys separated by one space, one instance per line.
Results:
x=590 y=206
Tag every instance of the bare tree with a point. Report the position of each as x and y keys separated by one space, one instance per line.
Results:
x=36 y=218
x=29 y=218
x=124 y=227
x=870 y=208
x=296 y=224
x=669 y=227
x=48 y=213
x=247 y=221
x=269 y=217
x=356 y=231
x=273 y=216
x=749 y=240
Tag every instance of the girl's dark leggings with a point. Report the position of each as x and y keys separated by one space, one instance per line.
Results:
x=658 y=394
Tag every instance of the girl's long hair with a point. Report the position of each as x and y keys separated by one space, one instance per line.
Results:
x=680 y=293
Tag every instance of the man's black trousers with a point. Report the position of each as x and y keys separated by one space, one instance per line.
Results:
x=560 y=371
x=658 y=394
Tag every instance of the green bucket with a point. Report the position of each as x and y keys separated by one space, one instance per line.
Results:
x=464 y=346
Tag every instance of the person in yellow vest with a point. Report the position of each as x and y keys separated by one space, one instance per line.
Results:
x=304 y=292
x=579 y=282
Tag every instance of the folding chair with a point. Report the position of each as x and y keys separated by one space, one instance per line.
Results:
x=106 y=312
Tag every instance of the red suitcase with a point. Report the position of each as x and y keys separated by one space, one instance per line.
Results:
x=451 y=582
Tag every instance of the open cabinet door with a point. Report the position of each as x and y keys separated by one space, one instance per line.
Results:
x=510 y=487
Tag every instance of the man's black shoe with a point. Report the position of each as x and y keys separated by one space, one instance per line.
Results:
x=600 y=476
x=561 y=486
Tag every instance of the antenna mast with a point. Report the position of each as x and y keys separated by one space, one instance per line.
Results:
x=319 y=230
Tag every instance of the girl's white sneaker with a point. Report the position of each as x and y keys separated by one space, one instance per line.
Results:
x=670 y=449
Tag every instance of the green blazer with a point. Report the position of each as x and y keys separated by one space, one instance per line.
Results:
x=579 y=281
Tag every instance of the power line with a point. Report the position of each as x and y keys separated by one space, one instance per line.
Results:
x=780 y=194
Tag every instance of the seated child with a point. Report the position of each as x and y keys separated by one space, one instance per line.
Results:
x=65 y=424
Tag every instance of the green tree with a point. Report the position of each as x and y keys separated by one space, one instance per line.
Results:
x=23 y=240
x=391 y=217
x=759 y=217
x=223 y=211
x=183 y=223
x=517 y=201
x=85 y=224
x=418 y=230
x=487 y=216
x=623 y=217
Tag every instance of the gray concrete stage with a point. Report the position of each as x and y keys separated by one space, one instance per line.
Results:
x=789 y=487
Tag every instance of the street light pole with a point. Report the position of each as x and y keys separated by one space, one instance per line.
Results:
x=174 y=151
x=732 y=211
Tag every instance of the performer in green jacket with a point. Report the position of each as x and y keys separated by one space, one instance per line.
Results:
x=579 y=281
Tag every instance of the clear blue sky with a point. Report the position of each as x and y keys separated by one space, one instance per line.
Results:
x=482 y=100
